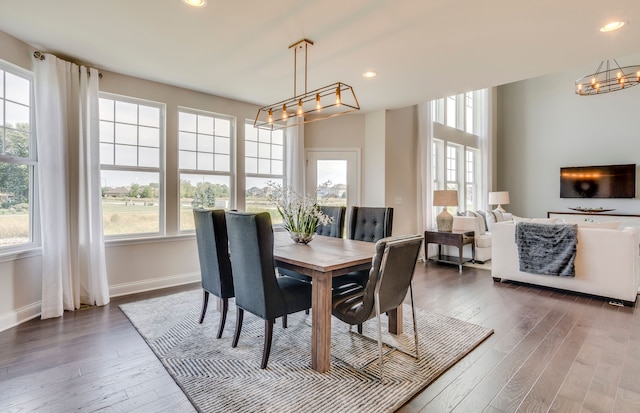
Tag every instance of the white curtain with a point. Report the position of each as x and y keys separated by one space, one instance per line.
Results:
x=73 y=255
x=424 y=207
x=485 y=104
x=294 y=157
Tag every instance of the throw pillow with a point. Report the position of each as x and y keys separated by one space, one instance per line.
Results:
x=491 y=219
x=484 y=219
x=479 y=221
x=498 y=214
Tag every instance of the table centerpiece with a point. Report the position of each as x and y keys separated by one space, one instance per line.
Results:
x=301 y=215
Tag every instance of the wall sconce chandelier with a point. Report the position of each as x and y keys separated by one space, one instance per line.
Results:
x=608 y=78
x=326 y=102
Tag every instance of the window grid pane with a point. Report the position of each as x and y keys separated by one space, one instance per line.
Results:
x=208 y=135
x=130 y=125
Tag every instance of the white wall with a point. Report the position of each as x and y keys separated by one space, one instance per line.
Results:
x=373 y=176
x=543 y=126
x=401 y=147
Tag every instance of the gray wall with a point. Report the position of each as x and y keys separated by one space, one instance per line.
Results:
x=543 y=126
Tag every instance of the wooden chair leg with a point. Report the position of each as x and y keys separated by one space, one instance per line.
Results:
x=205 y=301
x=268 y=334
x=284 y=321
x=223 y=316
x=239 y=317
x=360 y=328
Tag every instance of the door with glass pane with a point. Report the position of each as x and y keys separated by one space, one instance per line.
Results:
x=333 y=176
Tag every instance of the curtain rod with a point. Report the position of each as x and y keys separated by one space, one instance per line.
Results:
x=40 y=56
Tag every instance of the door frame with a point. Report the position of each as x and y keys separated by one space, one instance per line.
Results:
x=351 y=152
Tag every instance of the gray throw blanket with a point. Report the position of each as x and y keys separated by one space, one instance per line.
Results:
x=547 y=248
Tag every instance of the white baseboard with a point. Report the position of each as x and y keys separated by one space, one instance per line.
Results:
x=20 y=315
x=117 y=290
x=26 y=313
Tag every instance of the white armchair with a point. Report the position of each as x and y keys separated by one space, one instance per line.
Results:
x=482 y=239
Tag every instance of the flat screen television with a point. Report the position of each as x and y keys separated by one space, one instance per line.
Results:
x=609 y=181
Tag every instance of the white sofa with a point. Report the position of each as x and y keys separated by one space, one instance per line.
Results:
x=482 y=237
x=607 y=262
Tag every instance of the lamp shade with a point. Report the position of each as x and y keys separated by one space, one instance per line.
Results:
x=499 y=198
x=445 y=198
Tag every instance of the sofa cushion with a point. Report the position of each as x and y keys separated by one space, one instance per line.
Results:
x=535 y=220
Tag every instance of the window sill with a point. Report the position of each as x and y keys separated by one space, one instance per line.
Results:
x=148 y=240
x=14 y=255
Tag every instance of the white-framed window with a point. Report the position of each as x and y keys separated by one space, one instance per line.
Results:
x=468 y=112
x=18 y=160
x=453 y=169
x=132 y=141
x=471 y=180
x=456 y=111
x=206 y=162
x=451 y=103
x=264 y=162
x=456 y=158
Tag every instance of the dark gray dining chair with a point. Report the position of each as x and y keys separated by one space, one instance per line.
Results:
x=215 y=266
x=257 y=288
x=386 y=288
x=334 y=229
x=369 y=224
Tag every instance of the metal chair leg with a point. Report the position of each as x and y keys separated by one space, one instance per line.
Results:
x=413 y=315
x=377 y=302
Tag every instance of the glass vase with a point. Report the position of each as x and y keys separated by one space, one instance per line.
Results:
x=301 y=237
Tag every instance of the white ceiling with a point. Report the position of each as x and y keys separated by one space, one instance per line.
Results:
x=421 y=49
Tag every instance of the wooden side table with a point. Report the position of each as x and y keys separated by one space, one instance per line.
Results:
x=456 y=239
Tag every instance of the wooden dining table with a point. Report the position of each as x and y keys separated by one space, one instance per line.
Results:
x=322 y=259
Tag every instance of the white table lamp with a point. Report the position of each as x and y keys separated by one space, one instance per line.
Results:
x=499 y=198
x=444 y=199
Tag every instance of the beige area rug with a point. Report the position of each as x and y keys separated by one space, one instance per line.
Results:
x=217 y=378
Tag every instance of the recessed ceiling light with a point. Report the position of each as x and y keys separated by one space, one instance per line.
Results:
x=609 y=27
x=369 y=74
x=195 y=3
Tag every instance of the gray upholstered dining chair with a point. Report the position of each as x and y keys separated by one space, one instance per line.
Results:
x=213 y=253
x=386 y=288
x=333 y=229
x=369 y=224
x=257 y=288
x=336 y=227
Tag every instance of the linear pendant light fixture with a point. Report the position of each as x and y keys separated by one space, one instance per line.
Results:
x=326 y=102
x=608 y=78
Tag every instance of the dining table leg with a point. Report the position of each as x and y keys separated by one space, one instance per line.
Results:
x=395 y=320
x=321 y=321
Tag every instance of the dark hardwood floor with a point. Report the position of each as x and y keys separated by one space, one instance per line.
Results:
x=551 y=351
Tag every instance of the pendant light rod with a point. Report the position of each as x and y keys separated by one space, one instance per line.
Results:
x=323 y=103
x=304 y=43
